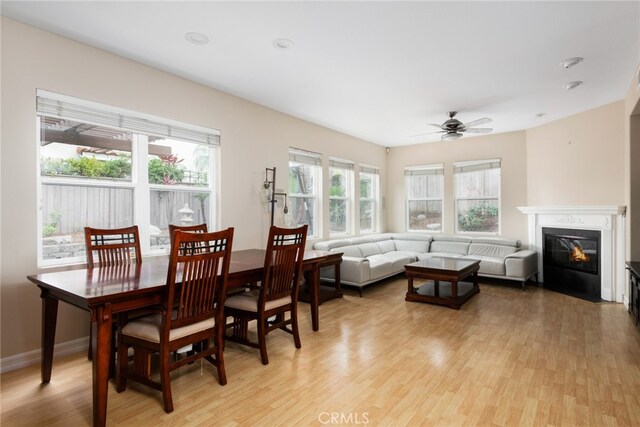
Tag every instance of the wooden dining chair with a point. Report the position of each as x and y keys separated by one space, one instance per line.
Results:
x=277 y=294
x=192 y=312
x=199 y=228
x=111 y=248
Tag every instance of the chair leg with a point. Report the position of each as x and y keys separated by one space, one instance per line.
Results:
x=294 y=326
x=219 y=354
x=262 y=340
x=165 y=381
x=122 y=366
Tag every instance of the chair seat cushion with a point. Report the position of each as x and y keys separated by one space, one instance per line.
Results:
x=248 y=301
x=148 y=328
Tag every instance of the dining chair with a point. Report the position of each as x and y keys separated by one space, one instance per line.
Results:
x=277 y=294
x=111 y=248
x=192 y=312
x=199 y=228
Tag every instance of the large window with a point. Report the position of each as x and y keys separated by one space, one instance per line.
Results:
x=369 y=198
x=424 y=188
x=477 y=202
x=340 y=196
x=305 y=188
x=107 y=168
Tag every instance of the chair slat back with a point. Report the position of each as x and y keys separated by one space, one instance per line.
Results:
x=199 y=228
x=283 y=262
x=112 y=247
x=201 y=274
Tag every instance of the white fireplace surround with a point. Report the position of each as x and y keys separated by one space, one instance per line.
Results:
x=609 y=220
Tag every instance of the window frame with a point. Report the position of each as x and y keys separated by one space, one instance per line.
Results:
x=64 y=107
x=374 y=172
x=348 y=169
x=480 y=165
x=438 y=169
x=299 y=157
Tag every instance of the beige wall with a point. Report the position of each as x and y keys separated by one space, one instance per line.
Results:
x=509 y=147
x=253 y=137
x=578 y=160
x=632 y=168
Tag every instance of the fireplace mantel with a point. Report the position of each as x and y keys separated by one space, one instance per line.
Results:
x=608 y=219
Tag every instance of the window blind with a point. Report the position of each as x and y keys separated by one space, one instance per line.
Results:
x=64 y=107
x=424 y=170
x=369 y=169
x=306 y=157
x=476 y=166
x=341 y=164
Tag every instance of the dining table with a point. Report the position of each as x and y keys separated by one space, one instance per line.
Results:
x=108 y=291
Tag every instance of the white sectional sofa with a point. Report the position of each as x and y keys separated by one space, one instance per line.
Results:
x=371 y=258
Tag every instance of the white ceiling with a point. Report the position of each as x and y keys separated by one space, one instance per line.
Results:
x=380 y=71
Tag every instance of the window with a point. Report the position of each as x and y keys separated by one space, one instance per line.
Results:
x=424 y=188
x=477 y=186
x=107 y=168
x=340 y=196
x=305 y=178
x=369 y=196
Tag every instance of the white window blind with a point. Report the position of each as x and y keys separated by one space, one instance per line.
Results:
x=369 y=169
x=424 y=170
x=476 y=166
x=64 y=107
x=341 y=164
x=305 y=157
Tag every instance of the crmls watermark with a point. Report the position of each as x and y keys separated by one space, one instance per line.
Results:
x=343 y=418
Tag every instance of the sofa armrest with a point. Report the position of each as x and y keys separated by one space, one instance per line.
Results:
x=521 y=264
x=352 y=270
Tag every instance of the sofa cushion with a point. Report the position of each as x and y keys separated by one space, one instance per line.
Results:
x=454 y=247
x=411 y=245
x=332 y=244
x=496 y=241
x=491 y=250
x=368 y=249
x=489 y=265
x=353 y=251
x=360 y=240
x=439 y=254
x=450 y=238
x=386 y=246
x=398 y=259
x=379 y=266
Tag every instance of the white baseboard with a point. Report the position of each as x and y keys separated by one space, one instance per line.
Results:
x=22 y=360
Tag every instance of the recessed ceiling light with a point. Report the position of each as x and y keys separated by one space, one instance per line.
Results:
x=283 y=44
x=570 y=62
x=572 y=85
x=541 y=115
x=197 y=38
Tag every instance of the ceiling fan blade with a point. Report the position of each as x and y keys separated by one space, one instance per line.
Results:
x=479 y=130
x=433 y=124
x=478 y=122
x=428 y=133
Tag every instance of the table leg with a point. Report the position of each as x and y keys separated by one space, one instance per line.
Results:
x=454 y=289
x=49 y=320
x=337 y=276
x=313 y=283
x=101 y=343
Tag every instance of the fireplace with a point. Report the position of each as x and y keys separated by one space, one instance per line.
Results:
x=608 y=220
x=571 y=262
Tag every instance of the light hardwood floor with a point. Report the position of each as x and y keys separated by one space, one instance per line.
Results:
x=506 y=358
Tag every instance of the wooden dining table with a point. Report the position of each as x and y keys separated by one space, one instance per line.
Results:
x=107 y=291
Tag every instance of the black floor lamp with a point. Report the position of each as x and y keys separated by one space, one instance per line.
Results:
x=269 y=186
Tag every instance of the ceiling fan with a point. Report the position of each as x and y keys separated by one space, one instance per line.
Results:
x=454 y=128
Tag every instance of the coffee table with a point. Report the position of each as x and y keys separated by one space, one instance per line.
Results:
x=444 y=281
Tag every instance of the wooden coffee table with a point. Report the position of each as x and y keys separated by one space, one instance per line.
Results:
x=444 y=281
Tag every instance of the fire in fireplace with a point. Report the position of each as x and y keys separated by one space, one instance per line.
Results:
x=571 y=262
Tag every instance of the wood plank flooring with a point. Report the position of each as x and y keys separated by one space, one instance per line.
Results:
x=506 y=358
